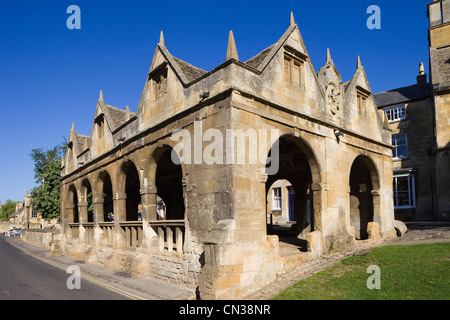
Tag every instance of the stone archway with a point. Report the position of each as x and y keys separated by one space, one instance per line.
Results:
x=298 y=165
x=72 y=205
x=364 y=184
x=104 y=197
x=132 y=191
x=86 y=204
x=168 y=177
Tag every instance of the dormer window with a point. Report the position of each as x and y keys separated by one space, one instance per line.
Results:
x=294 y=70
x=71 y=157
x=100 y=127
x=362 y=95
x=159 y=84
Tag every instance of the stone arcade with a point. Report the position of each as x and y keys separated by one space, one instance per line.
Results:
x=127 y=205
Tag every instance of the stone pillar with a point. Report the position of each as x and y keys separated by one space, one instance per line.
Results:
x=97 y=202
x=376 y=202
x=148 y=202
x=83 y=217
x=120 y=206
x=120 y=215
x=82 y=211
x=221 y=254
x=67 y=219
x=69 y=214
x=319 y=205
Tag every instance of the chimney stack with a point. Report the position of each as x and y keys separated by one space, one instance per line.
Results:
x=422 y=77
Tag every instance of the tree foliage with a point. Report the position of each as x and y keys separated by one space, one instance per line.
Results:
x=47 y=171
x=7 y=210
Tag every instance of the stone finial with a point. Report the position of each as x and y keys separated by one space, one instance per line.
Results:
x=328 y=55
x=231 y=50
x=358 y=63
x=101 y=96
x=28 y=193
x=73 y=126
x=292 y=20
x=161 y=38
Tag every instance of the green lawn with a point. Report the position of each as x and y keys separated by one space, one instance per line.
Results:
x=414 y=272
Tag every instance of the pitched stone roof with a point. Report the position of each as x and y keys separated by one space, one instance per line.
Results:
x=116 y=117
x=190 y=72
x=259 y=58
x=402 y=95
x=184 y=70
x=84 y=142
x=260 y=61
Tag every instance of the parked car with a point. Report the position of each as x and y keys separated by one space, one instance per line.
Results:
x=15 y=232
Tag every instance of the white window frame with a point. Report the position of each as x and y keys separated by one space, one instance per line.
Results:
x=394 y=152
x=276 y=203
x=396 y=113
x=411 y=191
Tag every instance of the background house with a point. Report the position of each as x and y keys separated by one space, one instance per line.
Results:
x=419 y=116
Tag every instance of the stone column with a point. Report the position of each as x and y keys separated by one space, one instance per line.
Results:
x=120 y=206
x=67 y=219
x=319 y=205
x=82 y=211
x=317 y=236
x=120 y=215
x=83 y=217
x=97 y=202
x=376 y=201
x=69 y=213
x=148 y=202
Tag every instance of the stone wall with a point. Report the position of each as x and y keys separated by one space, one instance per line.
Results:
x=42 y=238
x=233 y=270
x=178 y=268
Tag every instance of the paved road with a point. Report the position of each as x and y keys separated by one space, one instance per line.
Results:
x=23 y=277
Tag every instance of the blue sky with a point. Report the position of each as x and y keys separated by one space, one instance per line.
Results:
x=51 y=76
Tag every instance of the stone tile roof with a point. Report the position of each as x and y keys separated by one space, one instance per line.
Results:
x=84 y=142
x=259 y=58
x=402 y=95
x=191 y=72
x=116 y=117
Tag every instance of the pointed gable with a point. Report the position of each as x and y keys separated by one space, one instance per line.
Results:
x=162 y=61
x=184 y=71
x=76 y=145
x=331 y=81
x=114 y=117
x=262 y=59
x=362 y=108
x=298 y=72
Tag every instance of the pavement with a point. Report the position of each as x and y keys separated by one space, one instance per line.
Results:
x=154 y=289
x=118 y=281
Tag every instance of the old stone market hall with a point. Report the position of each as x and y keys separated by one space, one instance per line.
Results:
x=134 y=199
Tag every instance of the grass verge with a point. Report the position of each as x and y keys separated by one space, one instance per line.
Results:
x=414 y=272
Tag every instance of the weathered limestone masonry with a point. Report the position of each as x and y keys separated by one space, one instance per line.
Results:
x=439 y=44
x=203 y=222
